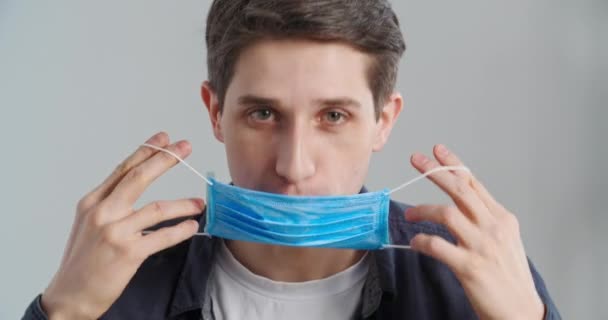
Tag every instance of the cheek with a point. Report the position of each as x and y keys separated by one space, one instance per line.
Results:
x=345 y=160
x=354 y=142
x=247 y=156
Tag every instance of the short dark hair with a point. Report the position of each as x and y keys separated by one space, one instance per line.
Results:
x=370 y=26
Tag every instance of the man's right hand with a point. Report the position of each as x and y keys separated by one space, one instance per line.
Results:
x=106 y=244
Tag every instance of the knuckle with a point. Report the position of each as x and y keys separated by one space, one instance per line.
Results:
x=428 y=165
x=110 y=235
x=96 y=219
x=85 y=203
x=176 y=234
x=433 y=244
x=159 y=209
x=147 y=152
x=131 y=253
x=122 y=168
x=162 y=138
x=137 y=174
x=167 y=158
x=98 y=215
x=449 y=216
x=461 y=188
x=169 y=237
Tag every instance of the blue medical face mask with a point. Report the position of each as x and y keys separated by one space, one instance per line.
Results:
x=354 y=221
x=349 y=222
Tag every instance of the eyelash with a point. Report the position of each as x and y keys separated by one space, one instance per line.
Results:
x=258 y=110
x=342 y=115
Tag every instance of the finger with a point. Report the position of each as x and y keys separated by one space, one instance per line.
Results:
x=461 y=192
x=486 y=197
x=159 y=211
x=130 y=188
x=440 y=249
x=167 y=237
x=458 y=225
x=448 y=158
x=142 y=153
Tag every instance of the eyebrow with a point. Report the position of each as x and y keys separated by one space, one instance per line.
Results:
x=344 y=102
x=249 y=99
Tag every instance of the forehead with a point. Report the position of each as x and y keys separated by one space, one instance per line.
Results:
x=301 y=69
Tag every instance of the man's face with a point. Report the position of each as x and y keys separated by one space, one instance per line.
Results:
x=298 y=118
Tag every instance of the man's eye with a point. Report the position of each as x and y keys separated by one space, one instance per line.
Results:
x=261 y=114
x=334 y=117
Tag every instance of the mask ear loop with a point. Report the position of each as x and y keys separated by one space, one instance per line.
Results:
x=191 y=169
x=180 y=160
x=443 y=168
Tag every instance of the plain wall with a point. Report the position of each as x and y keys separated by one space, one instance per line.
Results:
x=517 y=89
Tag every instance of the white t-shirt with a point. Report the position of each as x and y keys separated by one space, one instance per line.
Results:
x=237 y=293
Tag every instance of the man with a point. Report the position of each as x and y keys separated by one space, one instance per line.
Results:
x=301 y=93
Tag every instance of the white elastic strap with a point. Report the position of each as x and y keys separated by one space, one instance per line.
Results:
x=396 y=246
x=180 y=160
x=444 y=168
x=196 y=234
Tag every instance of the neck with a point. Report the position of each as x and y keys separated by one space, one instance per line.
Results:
x=292 y=264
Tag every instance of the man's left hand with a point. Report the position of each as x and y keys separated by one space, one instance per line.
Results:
x=489 y=258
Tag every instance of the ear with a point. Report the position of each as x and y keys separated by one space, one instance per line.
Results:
x=215 y=114
x=386 y=119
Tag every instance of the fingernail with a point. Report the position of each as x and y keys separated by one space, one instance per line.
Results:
x=152 y=138
x=409 y=213
x=419 y=158
x=442 y=150
x=200 y=203
x=184 y=144
x=192 y=223
x=413 y=243
x=182 y=148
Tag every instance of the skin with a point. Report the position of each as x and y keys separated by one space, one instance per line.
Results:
x=313 y=133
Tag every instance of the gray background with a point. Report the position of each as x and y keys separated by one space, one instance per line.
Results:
x=517 y=88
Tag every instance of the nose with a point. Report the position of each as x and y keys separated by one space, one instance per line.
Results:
x=295 y=161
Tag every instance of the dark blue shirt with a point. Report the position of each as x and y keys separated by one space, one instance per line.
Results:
x=401 y=284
